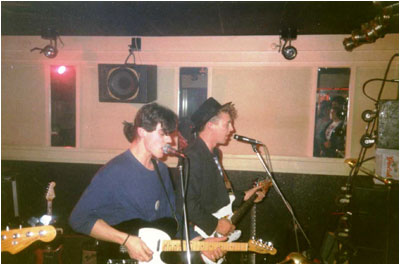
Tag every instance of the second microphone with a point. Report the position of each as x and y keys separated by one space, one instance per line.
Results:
x=246 y=139
x=169 y=150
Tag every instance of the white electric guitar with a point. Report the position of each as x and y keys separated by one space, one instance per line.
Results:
x=159 y=241
x=157 y=235
x=234 y=217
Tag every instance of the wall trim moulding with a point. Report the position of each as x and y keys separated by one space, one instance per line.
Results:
x=282 y=164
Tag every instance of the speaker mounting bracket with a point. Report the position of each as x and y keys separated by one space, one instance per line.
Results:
x=136 y=44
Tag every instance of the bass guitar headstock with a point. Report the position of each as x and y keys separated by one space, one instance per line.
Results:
x=16 y=240
x=50 y=194
x=265 y=184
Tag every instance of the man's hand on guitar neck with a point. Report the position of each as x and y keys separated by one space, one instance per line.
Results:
x=216 y=254
x=250 y=192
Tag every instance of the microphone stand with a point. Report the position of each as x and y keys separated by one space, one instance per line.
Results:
x=296 y=223
x=186 y=224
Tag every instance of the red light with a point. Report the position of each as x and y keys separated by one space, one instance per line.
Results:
x=61 y=69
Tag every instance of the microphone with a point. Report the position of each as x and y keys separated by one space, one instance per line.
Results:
x=169 y=150
x=245 y=139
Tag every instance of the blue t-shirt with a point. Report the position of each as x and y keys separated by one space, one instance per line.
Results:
x=123 y=190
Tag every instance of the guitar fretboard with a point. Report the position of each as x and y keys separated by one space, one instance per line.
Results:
x=49 y=208
x=237 y=215
x=175 y=245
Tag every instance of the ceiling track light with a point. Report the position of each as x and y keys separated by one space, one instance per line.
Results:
x=50 y=50
x=372 y=30
x=288 y=34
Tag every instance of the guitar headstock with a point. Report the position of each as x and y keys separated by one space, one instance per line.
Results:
x=265 y=184
x=261 y=247
x=16 y=240
x=50 y=194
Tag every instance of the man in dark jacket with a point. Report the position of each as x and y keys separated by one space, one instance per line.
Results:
x=208 y=187
x=334 y=134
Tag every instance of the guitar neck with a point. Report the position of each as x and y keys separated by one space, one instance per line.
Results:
x=176 y=245
x=49 y=208
x=238 y=214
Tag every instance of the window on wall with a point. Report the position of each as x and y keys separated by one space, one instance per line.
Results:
x=192 y=93
x=331 y=112
x=63 y=114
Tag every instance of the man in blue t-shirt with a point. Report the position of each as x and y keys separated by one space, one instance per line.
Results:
x=128 y=187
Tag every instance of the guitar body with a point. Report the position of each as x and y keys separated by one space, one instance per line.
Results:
x=235 y=217
x=114 y=254
x=153 y=238
x=224 y=212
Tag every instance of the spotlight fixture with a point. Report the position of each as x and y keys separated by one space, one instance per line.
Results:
x=373 y=30
x=288 y=34
x=50 y=51
x=289 y=52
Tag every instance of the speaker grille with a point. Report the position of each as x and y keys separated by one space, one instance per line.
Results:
x=127 y=83
x=388 y=124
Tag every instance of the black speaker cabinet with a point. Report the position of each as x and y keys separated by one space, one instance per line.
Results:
x=128 y=83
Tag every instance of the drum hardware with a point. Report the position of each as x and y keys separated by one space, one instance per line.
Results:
x=369 y=115
x=352 y=163
x=345 y=199
x=345 y=249
x=368 y=140
x=295 y=258
x=345 y=188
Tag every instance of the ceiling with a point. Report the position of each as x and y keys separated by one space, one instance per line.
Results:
x=181 y=18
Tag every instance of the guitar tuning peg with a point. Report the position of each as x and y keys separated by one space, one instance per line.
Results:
x=7 y=228
x=20 y=226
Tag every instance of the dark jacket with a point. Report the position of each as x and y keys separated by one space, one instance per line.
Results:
x=206 y=188
x=337 y=140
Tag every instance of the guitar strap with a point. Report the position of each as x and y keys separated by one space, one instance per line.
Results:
x=165 y=190
x=223 y=174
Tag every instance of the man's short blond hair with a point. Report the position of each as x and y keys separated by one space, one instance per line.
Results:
x=230 y=109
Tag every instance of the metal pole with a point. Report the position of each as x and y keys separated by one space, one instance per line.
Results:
x=186 y=224
x=279 y=192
